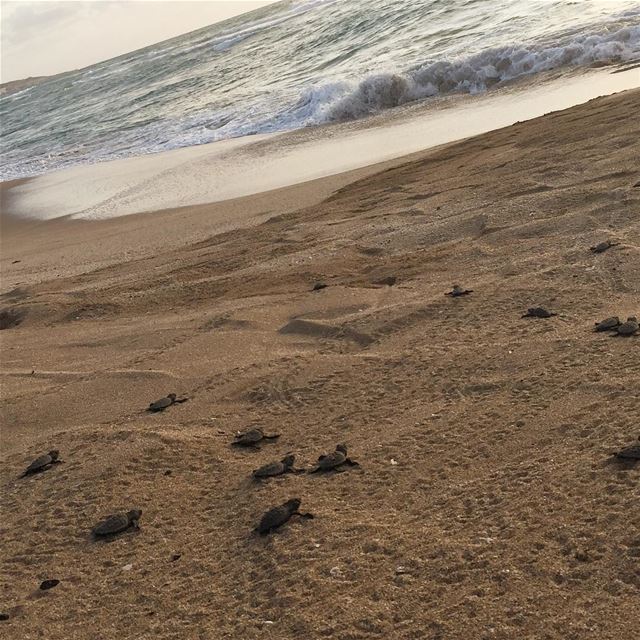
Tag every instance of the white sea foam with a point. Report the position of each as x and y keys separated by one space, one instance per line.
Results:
x=302 y=63
x=475 y=74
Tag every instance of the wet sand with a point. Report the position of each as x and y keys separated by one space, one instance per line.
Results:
x=254 y=164
x=487 y=504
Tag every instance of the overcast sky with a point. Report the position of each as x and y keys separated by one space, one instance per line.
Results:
x=49 y=36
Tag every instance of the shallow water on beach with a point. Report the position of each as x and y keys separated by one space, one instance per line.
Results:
x=254 y=164
x=302 y=63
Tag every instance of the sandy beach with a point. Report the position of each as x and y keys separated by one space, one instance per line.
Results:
x=487 y=504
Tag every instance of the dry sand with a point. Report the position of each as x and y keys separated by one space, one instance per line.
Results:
x=487 y=504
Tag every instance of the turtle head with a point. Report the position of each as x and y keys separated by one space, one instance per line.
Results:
x=171 y=395
x=632 y=319
x=54 y=454
x=293 y=505
x=342 y=448
x=288 y=460
x=134 y=515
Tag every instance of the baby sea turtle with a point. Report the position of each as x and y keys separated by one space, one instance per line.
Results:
x=628 y=328
x=117 y=523
x=252 y=438
x=601 y=247
x=49 y=584
x=42 y=463
x=319 y=285
x=277 y=468
x=607 y=324
x=333 y=460
x=167 y=401
x=458 y=291
x=278 y=516
x=631 y=452
x=388 y=281
x=538 y=312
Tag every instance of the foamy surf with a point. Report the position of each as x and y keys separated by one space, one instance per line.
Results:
x=300 y=64
x=249 y=165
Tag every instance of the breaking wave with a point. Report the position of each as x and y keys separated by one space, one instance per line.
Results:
x=337 y=102
x=300 y=63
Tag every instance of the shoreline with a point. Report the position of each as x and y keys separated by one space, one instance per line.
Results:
x=237 y=167
x=52 y=246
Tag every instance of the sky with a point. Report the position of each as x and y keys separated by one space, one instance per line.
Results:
x=49 y=36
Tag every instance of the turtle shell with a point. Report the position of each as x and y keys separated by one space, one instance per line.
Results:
x=539 y=312
x=331 y=460
x=628 y=328
x=607 y=324
x=41 y=463
x=161 y=404
x=250 y=437
x=277 y=516
x=116 y=523
x=629 y=453
x=270 y=469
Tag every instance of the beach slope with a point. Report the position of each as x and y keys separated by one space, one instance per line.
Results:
x=487 y=503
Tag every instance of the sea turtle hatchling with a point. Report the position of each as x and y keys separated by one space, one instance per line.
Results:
x=601 y=247
x=607 y=324
x=42 y=463
x=632 y=452
x=458 y=291
x=628 y=328
x=278 y=516
x=277 y=468
x=167 y=401
x=332 y=461
x=538 y=312
x=117 y=523
x=252 y=437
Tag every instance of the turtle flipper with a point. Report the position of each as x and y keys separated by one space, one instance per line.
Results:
x=180 y=400
x=315 y=469
x=351 y=463
x=275 y=436
x=306 y=516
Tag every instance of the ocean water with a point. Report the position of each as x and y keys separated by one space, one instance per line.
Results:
x=301 y=63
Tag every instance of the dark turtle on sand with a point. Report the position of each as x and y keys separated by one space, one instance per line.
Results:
x=42 y=463
x=252 y=437
x=167 y=401
x=319 y=285
x=117 y=523
x=628 y=328
x=632 y=452
x=538 y=312
x=607 y=324
x=49 y=584
x=388 y=281
x=334 y=460
x=277 y=468
x=278 y=516
x=601 y=247
x=458 y=291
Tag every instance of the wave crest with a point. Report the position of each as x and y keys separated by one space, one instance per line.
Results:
x=338 y=102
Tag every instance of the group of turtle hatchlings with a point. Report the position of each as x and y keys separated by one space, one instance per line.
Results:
x=335 y=461
x=617 y=327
